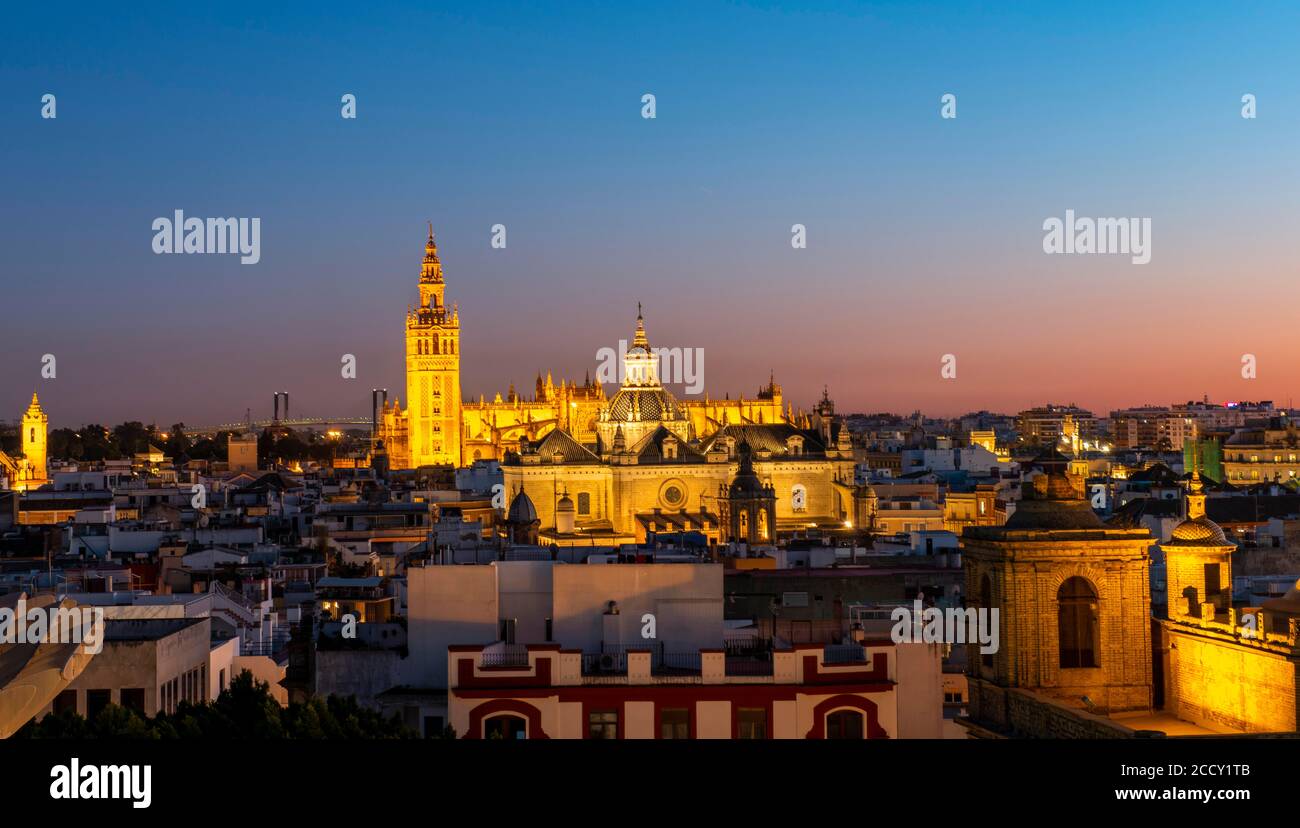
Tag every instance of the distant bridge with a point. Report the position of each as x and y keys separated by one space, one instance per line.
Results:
x=301 y=422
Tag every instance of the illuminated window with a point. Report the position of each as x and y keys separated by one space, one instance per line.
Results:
x=1077 y=623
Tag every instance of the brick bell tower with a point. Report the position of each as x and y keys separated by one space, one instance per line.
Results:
x=34 y=427
x=1074 y=601
x=433 y=370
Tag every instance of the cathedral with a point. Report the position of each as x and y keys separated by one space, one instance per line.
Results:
x=585 y=466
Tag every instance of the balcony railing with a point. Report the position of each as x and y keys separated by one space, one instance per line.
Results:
x=743 y=658
x=672 y=664
x=505 y=655
x=749 y=666
x=844 y=654
x=604 y=664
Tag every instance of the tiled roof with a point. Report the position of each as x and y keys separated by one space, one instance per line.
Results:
x=1129 y=516
x=1251 y=508
x=1157 y=473
x=561 y=442
x=650 y=449
x=770 y=436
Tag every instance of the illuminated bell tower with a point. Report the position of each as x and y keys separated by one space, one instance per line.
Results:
x=1198 y=562
x=34 y=426
x=433 y=370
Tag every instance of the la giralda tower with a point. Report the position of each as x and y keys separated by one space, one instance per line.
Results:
x=433 y=370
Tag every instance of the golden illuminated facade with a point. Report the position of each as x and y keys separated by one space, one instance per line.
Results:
x=1078 y=653
x=1227 y=668
x=428 y=432
x=621 y=467
x=1074 y=603
x=439 y=427
x=489 y=428
x=28 y=470
x=649 y=471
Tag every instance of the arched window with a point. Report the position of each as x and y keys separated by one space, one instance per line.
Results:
x=1077 y=616
x=743 y=531
x=762 y=524
x=844 y=724
x=986 y=604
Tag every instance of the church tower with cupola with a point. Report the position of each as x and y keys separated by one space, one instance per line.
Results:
x=433 y=371
x=1073 y=600
x=642 y=404
x=747 y=508
x=34 y=427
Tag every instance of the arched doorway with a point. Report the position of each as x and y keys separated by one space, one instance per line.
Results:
x=844 y=724
x=505 y=726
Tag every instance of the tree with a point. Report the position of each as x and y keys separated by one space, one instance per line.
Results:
x=177 y=442
x=97 y=443
x=244 y=710
x=131 y=438
x=65 y=444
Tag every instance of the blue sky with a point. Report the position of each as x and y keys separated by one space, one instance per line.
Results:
x=924 y=234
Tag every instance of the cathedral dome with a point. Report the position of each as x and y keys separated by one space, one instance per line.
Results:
x=565 y=504
x=644 y=405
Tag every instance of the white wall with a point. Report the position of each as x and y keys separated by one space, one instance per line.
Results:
x=447 y=605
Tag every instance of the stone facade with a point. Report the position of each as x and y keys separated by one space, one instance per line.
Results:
x=439 y=427
x=1026 y=570
x=1073 y=598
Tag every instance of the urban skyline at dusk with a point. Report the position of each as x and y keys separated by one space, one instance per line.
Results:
x=924 y=235
x=386 y=381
